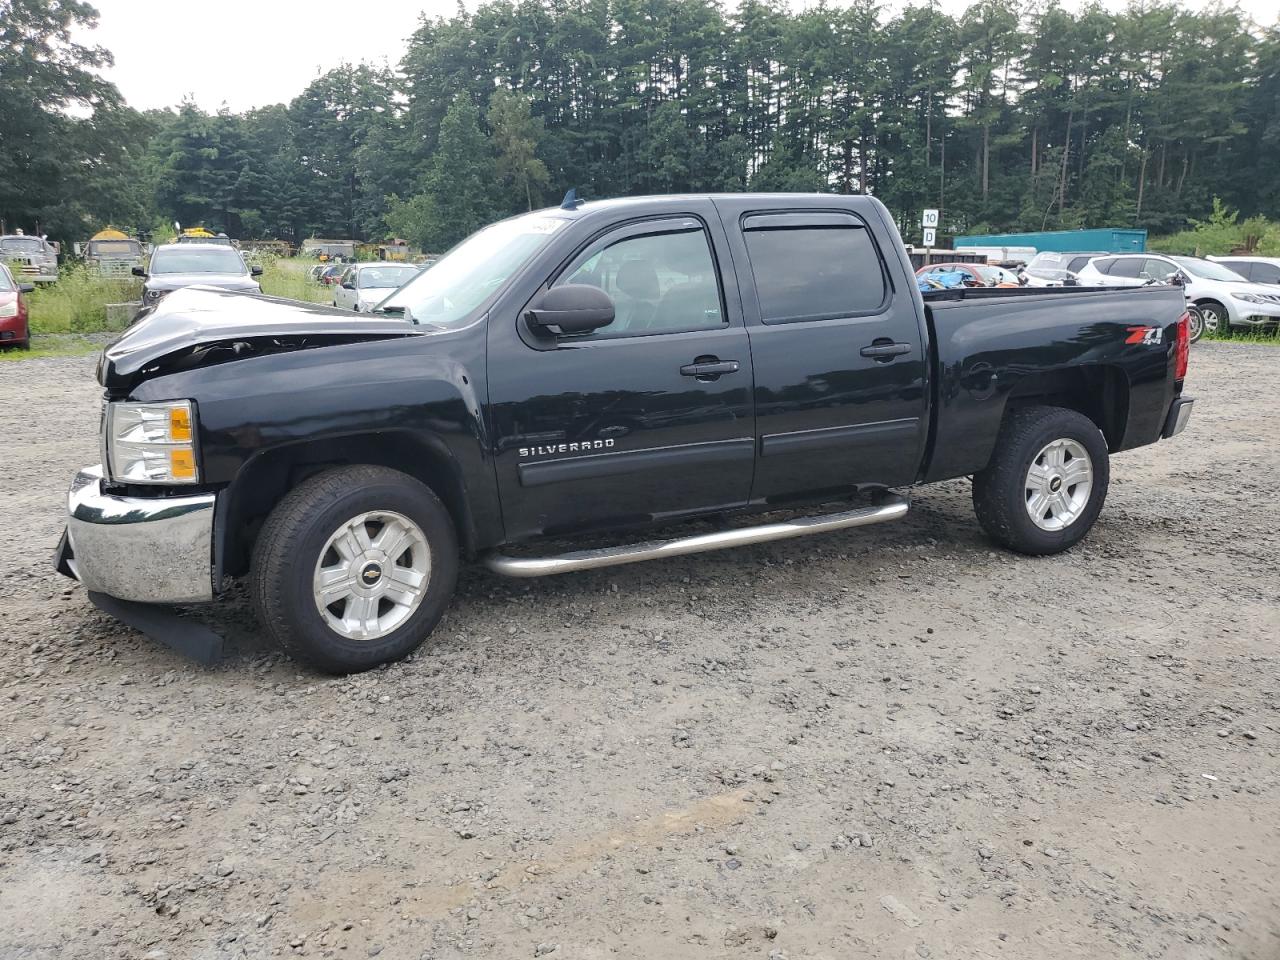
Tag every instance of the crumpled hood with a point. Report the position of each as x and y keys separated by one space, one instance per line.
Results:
x=198 y=326
x=174 y=281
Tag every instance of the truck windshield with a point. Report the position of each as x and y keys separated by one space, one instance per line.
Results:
x=1206 y=270
x=448 y=293
x=109 y=248
x=22 y=245
x=177 y=260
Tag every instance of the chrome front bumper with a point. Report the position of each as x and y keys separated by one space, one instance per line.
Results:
x=151 y=550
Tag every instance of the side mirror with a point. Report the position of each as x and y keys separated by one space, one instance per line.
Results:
x=1023 y=280
x=139 y=272
x=26 y=288
x=572 y=308
x=255 y=271
x=348 y=285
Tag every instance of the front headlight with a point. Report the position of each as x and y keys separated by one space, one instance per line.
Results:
x=1250 y=297
x=8 y=309
x=154 y=295
x=151 y=442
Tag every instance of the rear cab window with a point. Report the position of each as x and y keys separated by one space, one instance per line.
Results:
x=814 y=266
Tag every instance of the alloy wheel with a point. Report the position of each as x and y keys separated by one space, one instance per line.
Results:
x=1058 y=484
x=371 y=575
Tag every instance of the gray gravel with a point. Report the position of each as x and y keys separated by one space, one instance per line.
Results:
x=895 y=742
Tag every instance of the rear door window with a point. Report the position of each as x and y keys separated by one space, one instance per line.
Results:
x=814 y=267
x=1126 y=267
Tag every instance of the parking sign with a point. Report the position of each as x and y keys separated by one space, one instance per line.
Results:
x=929 y=219
x=930 y=236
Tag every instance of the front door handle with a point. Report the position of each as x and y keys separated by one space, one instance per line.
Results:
x=885 y=350
x=709 y=368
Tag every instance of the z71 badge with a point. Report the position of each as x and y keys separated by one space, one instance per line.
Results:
x=1152 y=336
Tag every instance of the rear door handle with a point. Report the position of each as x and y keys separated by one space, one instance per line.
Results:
x=886 y=350
x=710 y=369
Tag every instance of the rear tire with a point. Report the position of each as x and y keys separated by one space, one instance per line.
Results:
x=1046 y=483
x=1215 y=318
x=364 y=626
x=1197 y=323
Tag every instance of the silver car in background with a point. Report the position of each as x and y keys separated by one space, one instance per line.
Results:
x=365 y=285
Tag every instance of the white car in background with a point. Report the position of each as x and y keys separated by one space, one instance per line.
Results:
x=1049 y=269
x=1222 y=295
x=1255 y=269
x=364 y=285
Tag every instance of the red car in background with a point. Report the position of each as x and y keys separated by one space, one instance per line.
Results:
x=983 y=274
x=330 y=275
x=14 y=330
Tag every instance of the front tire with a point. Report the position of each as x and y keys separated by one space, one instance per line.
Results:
x=354 y=568
x=1046 y=483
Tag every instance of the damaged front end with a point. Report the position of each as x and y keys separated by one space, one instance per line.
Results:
x=142 y=527
x=203 y=326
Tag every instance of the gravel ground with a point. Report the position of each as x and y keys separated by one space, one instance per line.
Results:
x=894 y=742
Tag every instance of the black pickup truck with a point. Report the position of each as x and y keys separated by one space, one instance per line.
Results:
x=595 y=369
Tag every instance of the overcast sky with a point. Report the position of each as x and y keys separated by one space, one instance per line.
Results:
x=247 y=53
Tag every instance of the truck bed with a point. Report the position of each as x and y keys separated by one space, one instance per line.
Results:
x=1115 y=344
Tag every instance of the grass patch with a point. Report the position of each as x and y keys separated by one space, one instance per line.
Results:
x=288 y=278
x=1249 y=336
x=77 y=303
x=61 y=348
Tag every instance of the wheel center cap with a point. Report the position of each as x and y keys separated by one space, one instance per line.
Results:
x=1055 y=484
x=370 y=574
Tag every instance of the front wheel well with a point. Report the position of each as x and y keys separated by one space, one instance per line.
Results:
x=267 y=478
x=1099 y=392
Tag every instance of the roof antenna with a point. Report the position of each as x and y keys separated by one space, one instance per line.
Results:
x=571 y=201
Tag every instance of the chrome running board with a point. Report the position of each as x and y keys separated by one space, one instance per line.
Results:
x=891 y=507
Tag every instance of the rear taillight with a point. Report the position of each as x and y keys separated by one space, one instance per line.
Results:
x=1182 y=348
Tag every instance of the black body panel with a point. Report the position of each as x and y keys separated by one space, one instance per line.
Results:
x=525 y=434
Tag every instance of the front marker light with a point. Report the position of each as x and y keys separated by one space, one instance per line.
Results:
x=151 y=442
